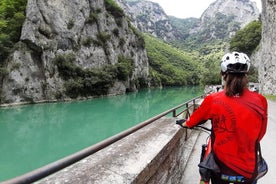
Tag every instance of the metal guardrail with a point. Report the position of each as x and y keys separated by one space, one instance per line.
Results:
x=53 y=167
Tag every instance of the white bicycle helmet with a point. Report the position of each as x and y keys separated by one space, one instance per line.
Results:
x=235 y=62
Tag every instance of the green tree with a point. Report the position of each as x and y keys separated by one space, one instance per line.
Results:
x=12 y=16
x=247 y=39
x=211 y=73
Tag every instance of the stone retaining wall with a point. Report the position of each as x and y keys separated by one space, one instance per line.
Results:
x=157 y=153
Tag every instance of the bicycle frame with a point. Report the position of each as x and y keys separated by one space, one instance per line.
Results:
x=206 y=149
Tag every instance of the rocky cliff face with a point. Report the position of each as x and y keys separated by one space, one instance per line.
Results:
x=242 y=11
x=81 y=37
x=267 y=54
x=149 y=17
x=225 y=17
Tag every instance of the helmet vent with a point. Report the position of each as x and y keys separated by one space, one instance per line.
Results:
x=230 y=59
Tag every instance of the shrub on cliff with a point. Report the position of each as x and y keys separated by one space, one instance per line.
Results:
x=114 y=9
x=92 y=81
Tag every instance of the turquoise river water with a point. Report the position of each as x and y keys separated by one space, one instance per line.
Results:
x=32 y=136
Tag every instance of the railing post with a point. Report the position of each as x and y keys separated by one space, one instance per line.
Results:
x=194 y=105
x=174 y=113
x=188 y=112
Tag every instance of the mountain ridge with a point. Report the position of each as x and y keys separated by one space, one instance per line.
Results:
x=148 y=17
x=234 y=14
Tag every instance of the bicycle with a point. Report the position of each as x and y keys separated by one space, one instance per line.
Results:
x=207 y=163
x=205 y=148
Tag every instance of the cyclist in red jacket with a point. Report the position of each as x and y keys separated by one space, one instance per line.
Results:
x=239 y=122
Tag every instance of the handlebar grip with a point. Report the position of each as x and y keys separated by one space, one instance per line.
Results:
x=180 y=122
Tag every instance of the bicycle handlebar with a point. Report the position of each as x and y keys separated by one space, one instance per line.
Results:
x=180 y=121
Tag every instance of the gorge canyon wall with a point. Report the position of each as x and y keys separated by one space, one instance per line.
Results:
x=267 y=52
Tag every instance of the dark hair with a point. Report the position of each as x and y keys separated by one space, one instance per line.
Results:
x=235 y=83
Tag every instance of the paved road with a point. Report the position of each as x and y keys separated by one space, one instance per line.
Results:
x=269 y=146
x=191 y=175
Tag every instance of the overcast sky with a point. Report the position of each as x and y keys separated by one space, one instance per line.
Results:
x=188 y=8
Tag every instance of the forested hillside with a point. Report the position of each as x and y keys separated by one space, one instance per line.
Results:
x=170 y=66
x=247 y=39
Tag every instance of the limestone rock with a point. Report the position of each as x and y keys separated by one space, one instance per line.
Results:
x=267 y=58
x=92 y=32
x=149 y=17
x=243 y=11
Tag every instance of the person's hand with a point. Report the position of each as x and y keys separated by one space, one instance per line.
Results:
x=180 y=123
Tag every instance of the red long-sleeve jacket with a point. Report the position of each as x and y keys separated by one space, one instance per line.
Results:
x=238 y=123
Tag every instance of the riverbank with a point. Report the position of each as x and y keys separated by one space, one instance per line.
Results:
x=56 y=101
x=82 y=98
